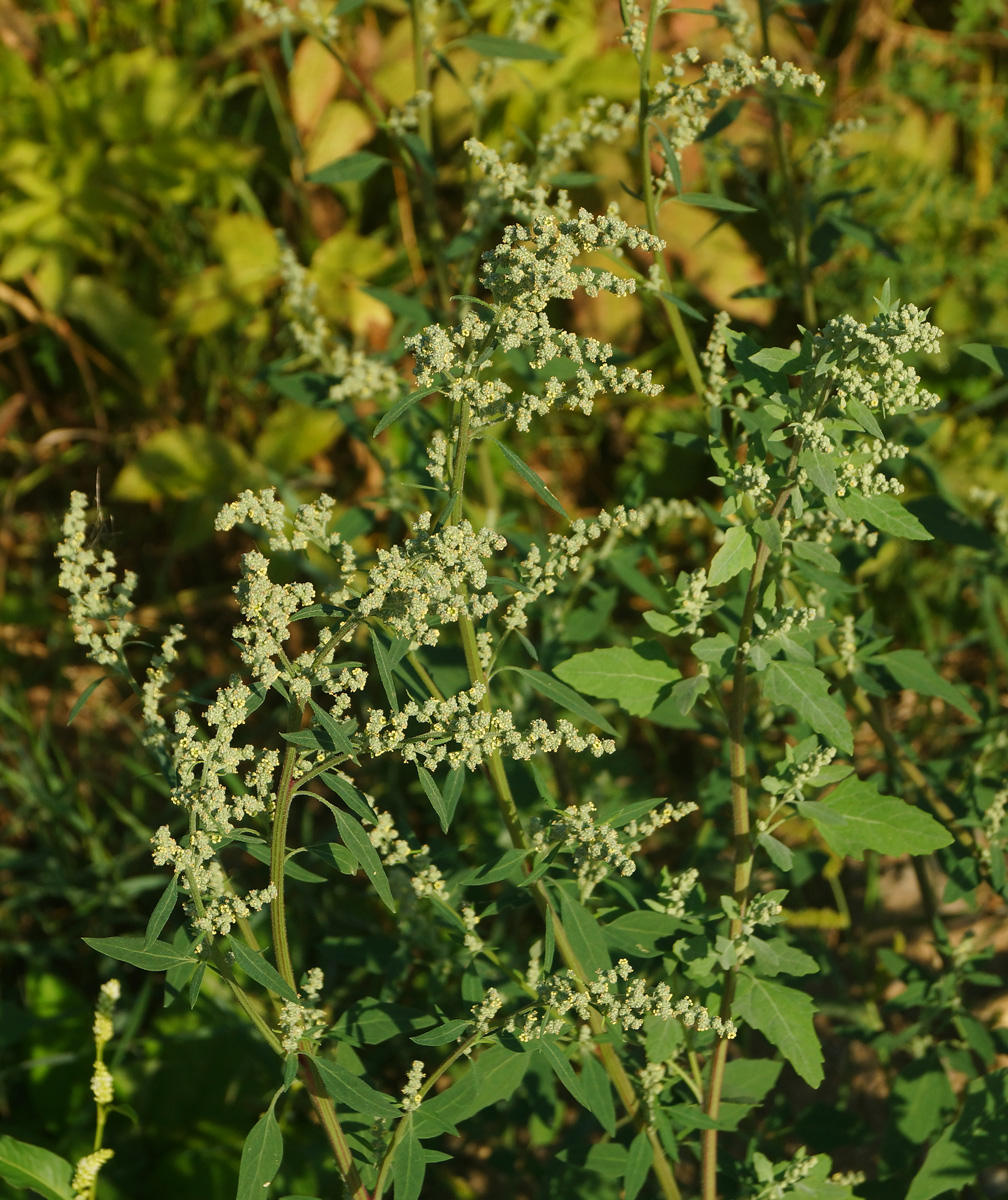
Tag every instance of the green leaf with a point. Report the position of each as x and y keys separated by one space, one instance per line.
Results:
x=404 y=306
x=671 y=158
x=453 y=789
x=434 y=796
x=256 y=967
x=598 y=1098
x=491 y=46
x=977 y=1139
x=563 y=695
x=806 y=690
x=636 y=933
x=707 y=200
x=337 y=732
x=346 y=1089
x=492 y=1077
x=884 y=512
x=531 y=478
x=854 y=818
x=586 y=938
x=778 y=957
x=820 y=470
x=85 y=696
x=678 y=302
x=359 y=844
x=26 y=1166
x=784 y=1016
x=775 y=358
x=558 y=1062
x=353 y=168
x=133 y=950
x=911 y=670
x=864 y=416
x=162 y=911
x=995 y=357
x=632 y=675
x=736 y=554
x=400 y=406
x=450 y=1031
x=919 y=1097
x=370 y=1022
x=639 y=1161
x=384 y=671
x=260 y=1159
x=408 y=1164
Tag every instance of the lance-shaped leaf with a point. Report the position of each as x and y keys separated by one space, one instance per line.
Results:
x=261 y=1156
x=854 y=818
x=159 y=956
x=911 y=670
x=736 y=554
x=884 y=512
x=26 y=1166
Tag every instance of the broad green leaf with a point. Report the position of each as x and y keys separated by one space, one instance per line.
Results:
x=598 y=1098
x=854 y=818
x=775 y=358
x=636 y=933
x=820 y=470
x=977 y=1139
x=563 y=695
x=256 y=967
x=162 y=911
x=133 y=950
x=806 y=690
x=354 y=168
x=26 y=1166
x=995 y=357
x=736 y=554
x=491 y=46
x=920 y=1096
x=884 y=512
x=260 y=1158
x=784 y=1016
x=622 y=673
x=747 y=1080
x=531 y=478
x=346 y=1089
x=639 y=1161
x=450 y=1031
x=780 y=855
x=408 y=1164
x=491 y=1077
x=359 y=844
x=586 y=937
x=864 y=416
x=608 y=1159
x=911 y=670
x=778 y=957
x=371 y=1022
x=719 y=203
x=559 y=1064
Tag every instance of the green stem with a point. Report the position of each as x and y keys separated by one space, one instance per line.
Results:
x=792 y=198
x=672 y=314
x=742 y=849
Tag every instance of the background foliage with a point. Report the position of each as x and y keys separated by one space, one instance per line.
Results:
x=149 y=150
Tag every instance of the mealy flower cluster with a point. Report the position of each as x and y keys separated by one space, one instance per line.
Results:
x=96 y=594
x=318 y=17
x=529 y=268
x=300 y=1021
x=201 y=764
x=623 y=1008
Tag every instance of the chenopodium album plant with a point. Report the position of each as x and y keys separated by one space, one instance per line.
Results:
x=633 y=987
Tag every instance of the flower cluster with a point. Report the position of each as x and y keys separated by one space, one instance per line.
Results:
x=299 y=1021
x=95 y=592
x=86 y=1172
x=474 y=732
x=411 y=1089
x=284 y=16
x=624 y=1008
x=539 y=576
x=526 y=270
x=432 y=581
x=200 y=765
x=595 y=848
x=689 y=107
x=865 y=362
x=675 y=892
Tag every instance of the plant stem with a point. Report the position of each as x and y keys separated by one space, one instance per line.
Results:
x=672 y=314
x=793 y=200
x=742 y=850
